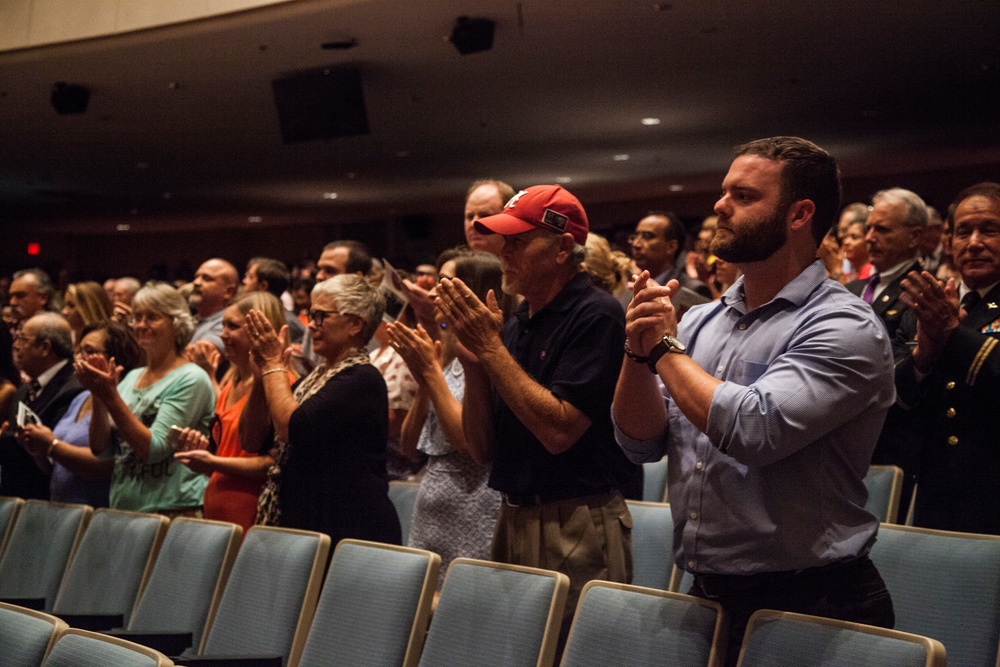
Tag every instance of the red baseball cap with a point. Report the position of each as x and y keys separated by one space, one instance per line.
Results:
x=541 y=206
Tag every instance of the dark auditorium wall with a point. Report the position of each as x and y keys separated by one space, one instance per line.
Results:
x=94 y=249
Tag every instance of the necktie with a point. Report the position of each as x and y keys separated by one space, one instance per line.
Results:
x=869 y=294
x=34 y=389
x=970 y=300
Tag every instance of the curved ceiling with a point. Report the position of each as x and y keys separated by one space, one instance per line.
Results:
x=183 y=118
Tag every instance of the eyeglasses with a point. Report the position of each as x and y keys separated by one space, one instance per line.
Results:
x=149 y=318
x=24 y=339
x=87 y=350
x=318 y=315
x=645 y=236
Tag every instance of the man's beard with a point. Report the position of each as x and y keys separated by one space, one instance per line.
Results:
x=754 y=240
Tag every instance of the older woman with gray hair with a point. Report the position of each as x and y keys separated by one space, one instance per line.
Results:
x=132 y=419
x=330 y=429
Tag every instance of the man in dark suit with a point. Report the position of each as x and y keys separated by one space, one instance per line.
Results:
x=948 y=371
x=658 y=247
x=43 y=350
x=896 y=225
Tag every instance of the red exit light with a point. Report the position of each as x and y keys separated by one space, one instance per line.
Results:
x=34 y=248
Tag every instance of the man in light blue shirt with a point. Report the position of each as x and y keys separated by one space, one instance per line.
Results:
x=770 y=404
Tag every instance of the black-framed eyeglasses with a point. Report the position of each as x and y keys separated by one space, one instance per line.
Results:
x=318 y=315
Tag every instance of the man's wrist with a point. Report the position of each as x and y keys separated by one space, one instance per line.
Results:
x=637 y=358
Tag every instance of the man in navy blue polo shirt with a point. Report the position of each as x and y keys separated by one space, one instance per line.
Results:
x=538 y=395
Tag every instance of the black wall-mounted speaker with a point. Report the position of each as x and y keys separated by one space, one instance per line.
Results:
x=323 y=103
x=68 y=98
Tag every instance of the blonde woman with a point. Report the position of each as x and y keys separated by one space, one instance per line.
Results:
x=236 y=475
x=85 y=304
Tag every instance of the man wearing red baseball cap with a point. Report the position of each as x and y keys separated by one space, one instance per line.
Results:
x=538 y=393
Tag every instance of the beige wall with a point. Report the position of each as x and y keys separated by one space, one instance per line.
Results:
x=28 y=23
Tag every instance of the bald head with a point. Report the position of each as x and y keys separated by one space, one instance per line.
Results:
x=215 y=284
x=485 y=198
x=45 y=340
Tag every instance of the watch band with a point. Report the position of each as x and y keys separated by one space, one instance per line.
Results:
x=667 y=344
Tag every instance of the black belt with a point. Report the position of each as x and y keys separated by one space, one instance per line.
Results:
x=535 y=499
x=714 y=586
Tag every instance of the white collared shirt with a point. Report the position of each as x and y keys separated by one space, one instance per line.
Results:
x=47 y=376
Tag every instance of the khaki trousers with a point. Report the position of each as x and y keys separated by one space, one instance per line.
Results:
x=585 y=538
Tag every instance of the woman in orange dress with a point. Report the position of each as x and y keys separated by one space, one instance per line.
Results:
x=236 y=475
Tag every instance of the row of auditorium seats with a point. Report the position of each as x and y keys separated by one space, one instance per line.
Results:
x=884 y=484
x=223 y=601
x=504 y=616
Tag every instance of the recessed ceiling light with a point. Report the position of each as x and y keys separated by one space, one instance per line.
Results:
x=255 y=218
x=402 y=153
x=675 y=187
x=123 y=228
x=563 y=179
x=620 y=157
x=650 y=121
x=329 y=195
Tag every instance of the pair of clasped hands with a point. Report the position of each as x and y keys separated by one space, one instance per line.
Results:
x=475 y=325
x=651 y=313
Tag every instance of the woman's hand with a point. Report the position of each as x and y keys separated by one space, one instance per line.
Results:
x=35 y=438
x=198 y=460
x=99 y=375
x=206 y=355
x=421 y=354
x=266 y=346
x=191 y=439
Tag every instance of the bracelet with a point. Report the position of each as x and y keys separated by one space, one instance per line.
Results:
x=633 y=356
x=52 y=445
x=273 y=370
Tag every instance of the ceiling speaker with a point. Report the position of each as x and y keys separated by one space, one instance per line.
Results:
x=323 y=103
x=68 y=98
x=472 y=35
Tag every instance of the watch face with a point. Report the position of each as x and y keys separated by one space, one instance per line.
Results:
x=673 y=344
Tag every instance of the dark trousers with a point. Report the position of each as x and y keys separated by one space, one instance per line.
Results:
x=851 y=591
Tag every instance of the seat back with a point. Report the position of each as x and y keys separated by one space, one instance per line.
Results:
x=10 y=507
x=180 y=597
x=944 y=585
x=404 y=496
x=374 y=607
x=626 y=626
x=268 y=603
x=654 y=481
x=80 y=648
x=111 y=564
x=26 y=635
x=778 y=638
x=885 y=487
x=494 y=614
x=42 y=527
x=652 y=544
